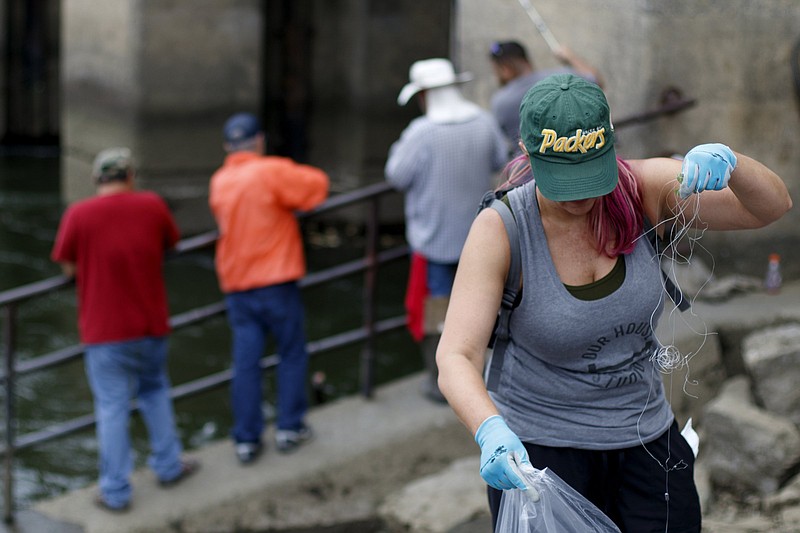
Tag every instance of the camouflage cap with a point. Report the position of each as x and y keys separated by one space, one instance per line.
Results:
x=112 y=164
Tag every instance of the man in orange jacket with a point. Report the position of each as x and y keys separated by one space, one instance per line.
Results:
x=259 y=259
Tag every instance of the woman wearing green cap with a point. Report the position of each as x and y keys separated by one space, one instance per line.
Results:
x=578 y=389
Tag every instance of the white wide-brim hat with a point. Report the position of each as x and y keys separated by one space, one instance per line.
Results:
x=430 y=74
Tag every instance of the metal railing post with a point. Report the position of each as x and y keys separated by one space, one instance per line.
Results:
x=9 y=336
x=370 y=283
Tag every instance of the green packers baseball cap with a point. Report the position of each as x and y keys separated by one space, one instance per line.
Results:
x=567 y=131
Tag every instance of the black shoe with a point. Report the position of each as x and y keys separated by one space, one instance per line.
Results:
x=431 y=391
x=288 y=440
x=247 y=452
x=188 y=467
x=101 y=503
x=434 y=395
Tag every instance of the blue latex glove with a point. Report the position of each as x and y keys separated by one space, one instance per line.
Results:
x=497 y=442
x=706 y=167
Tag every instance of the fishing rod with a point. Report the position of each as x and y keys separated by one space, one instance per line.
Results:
x=541 y=25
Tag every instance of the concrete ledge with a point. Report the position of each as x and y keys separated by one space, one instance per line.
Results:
x=363 y=451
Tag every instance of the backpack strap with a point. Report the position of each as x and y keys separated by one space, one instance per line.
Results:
x=500 y=334
x=672 y=290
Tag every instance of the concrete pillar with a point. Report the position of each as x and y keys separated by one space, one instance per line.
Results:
x=3 y=68
x=29 y=72
x=159 y=77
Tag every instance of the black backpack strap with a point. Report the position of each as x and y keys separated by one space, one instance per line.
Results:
x=500 y=335
x=672 y=290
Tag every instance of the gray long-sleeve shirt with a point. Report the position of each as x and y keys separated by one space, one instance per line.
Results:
x=444 y=169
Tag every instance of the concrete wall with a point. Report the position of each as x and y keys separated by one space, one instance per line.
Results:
x=159 y=77
x=733 y=56
x=99 y=44
x=361 y=63
x=162 y=76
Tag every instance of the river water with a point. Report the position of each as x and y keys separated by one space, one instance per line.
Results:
x=30 y=209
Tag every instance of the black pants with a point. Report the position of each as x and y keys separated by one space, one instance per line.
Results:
x=628 y=485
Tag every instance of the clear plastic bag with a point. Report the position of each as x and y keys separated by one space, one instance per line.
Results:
x=548 y=506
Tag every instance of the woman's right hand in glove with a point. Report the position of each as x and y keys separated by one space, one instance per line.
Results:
x=497 y=442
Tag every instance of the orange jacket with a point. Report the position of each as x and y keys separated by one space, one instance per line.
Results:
x=254 y=199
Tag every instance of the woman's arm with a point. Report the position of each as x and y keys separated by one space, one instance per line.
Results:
x=474 y=303
x=68 y=268
x=754 y=197
x=471 y=314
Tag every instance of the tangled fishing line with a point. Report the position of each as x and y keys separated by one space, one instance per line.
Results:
x=684 y=230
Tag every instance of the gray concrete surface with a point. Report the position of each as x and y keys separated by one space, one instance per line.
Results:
x=366 y=455
x=363 y=451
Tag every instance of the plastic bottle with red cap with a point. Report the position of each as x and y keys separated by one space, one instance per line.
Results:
x=773 y=279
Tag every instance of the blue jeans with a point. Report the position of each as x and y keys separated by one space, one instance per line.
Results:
x=254 y=314
x=440 y=278
x=118 y=372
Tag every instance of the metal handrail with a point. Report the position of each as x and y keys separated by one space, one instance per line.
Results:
x=373 y=258
x=200 y=314
x=672 y=101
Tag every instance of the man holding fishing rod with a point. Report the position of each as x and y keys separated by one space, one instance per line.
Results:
x=516 y=73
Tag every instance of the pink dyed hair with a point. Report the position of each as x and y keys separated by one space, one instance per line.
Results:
x=616 y=220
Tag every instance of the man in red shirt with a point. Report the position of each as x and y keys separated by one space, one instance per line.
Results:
x=114 y=244
x=259 y=259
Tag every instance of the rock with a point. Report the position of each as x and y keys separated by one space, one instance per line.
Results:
x=439 y=502
x=789 y=496
x=790 y=518
x=692 y=386
x=754 y=523
x=724 y=288
x=703 y=482
x=772 y=358
x=691 y=275
x=747 y=448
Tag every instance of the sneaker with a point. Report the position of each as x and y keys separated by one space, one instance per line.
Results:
x=188 y=467
x=431 y=391
x=247 y=452
x=288 y=440
x=101 y=503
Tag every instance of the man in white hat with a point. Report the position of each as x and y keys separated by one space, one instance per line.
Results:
x=444 y=162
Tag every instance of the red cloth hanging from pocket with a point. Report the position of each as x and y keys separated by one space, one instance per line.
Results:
x=416 y=293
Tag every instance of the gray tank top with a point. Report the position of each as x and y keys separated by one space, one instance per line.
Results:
x=579 y=373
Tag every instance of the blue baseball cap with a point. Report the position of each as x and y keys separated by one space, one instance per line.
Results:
x=241 y=127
